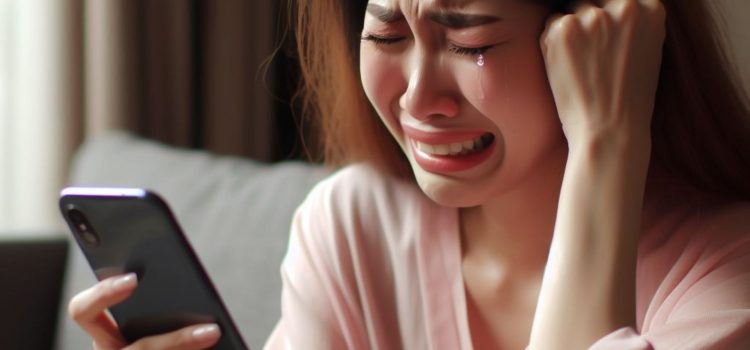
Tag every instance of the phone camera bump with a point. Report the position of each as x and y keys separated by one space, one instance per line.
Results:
x=82 y=227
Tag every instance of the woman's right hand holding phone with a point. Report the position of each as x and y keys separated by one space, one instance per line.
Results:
x=89 y=309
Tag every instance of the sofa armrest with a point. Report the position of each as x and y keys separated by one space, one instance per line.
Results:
x=31 y=271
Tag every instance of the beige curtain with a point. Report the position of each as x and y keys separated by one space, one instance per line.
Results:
x=185 y=72
x=188 y=73
x=40 y=109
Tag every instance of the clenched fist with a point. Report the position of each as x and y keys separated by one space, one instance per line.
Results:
x=603 y=64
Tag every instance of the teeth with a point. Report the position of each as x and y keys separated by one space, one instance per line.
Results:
x=426 y=148
x=442 y=149
x=457 y=148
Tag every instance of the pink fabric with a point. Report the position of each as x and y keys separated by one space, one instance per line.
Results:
x=374 y=264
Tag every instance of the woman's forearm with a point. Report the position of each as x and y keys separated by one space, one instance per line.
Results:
x=588 y=288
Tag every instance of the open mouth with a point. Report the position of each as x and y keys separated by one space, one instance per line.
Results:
x=450 y=150
x=467 y=147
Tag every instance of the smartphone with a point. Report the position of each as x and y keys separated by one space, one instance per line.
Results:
x=123 y=230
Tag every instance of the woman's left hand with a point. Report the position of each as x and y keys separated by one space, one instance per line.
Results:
x=603 y=65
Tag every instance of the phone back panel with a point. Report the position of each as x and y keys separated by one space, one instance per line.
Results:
x=138 y=233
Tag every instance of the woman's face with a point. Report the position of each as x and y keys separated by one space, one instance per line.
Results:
x=461 y=85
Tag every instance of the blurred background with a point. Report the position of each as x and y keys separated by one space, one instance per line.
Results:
x=198 y=74
x=190 y=73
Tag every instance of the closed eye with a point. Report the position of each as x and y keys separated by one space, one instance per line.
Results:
x=467 y=51
x=382 y=40
x=455 y=49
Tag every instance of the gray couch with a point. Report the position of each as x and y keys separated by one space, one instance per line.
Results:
x=236 y=213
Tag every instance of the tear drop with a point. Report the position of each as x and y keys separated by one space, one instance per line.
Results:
x=480 y=65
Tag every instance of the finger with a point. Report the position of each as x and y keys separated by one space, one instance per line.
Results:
x=105 y=333
x=606 y=3
x=590 y=14
x=189 y=338
x=560 y=32
x=595 y=20
x=652 y=3
x=580 y=7
x=656 y=8
x=89 y=309
x=543 y=40
x=623 y=8
x=97 y=346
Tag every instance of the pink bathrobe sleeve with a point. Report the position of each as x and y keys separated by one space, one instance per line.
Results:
x=319 y=306
x=373 y=265
x=693 y=287
x=339 y=274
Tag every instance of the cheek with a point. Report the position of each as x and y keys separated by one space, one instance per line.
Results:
x=382 y=82
x=519 y=102
x=517 y=94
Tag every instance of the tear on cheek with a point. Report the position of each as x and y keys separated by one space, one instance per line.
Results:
x=480 y=69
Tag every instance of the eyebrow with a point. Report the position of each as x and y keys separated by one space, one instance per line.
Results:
x=453 y=20
x=384 y=14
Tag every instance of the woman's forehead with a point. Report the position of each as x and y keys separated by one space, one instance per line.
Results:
x=419 y=6
x=442 y=4
x=396 y=9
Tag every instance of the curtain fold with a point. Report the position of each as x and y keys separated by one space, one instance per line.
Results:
x=237 y=37
x=186 y=73
x=110 y=66
x=166 y=84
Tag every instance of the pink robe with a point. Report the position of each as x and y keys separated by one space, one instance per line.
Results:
x=374 y=264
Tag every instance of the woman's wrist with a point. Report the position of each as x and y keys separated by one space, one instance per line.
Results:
x=604 y=180
x=628 y=143
x=594 y=248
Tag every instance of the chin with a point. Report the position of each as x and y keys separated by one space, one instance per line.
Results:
x=462 y=189
x=450 y=192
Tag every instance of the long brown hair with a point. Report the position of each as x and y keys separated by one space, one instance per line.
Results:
x=700 y=128
x=330 y=92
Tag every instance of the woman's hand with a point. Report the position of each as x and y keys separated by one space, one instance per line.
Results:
x=89 y=310
x=603 y=64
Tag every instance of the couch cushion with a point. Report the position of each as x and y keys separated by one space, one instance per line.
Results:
x=236 y=213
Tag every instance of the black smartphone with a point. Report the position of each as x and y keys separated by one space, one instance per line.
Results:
x=122 y=230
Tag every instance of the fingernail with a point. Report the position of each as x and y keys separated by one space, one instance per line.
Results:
x=206 y=332
x=125 y=282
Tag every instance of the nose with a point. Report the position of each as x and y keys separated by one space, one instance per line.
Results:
x=427 y=95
